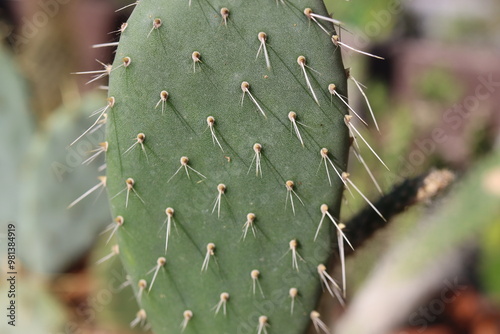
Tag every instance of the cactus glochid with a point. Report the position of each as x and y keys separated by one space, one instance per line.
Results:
x=220 y=114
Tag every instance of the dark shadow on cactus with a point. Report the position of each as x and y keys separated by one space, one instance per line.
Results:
x=179 y=115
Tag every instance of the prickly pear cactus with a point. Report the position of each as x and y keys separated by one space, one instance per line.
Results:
x=51 y=175
x=17 y=124
x=220 y=113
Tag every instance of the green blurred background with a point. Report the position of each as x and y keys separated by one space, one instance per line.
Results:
x=436 y=98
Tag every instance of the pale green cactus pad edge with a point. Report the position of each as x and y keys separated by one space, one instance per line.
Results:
x=160 y=58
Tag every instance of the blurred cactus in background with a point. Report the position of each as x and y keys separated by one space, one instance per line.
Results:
x=52 y=175
x=17 y=125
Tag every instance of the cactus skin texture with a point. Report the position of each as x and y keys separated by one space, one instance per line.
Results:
x=155 y=56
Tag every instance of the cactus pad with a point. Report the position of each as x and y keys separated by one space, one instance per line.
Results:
x=220 y=113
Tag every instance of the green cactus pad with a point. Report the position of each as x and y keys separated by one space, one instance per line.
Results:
x=17 y=125
x=178 y=63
